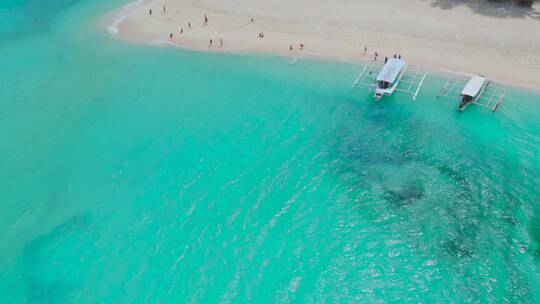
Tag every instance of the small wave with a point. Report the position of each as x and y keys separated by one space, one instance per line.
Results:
x=18 y=221
x=113 y=28
x=162 y=41
x=134 y=3
x=458 y=73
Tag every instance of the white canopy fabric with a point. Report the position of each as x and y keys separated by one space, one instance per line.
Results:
x=391 y=70
x=473 y=86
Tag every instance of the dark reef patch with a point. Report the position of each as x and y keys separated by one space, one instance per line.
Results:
x=44 y=281
x=453 y=174
x=48 y=291
x=33 y=16
x=455 y=248
x=367 y=136
x=73 y=224
x=535 y=235
x=467 y=192
x=405 y=195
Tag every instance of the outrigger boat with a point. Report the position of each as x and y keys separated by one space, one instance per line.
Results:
x=389 y=77
x=474 y=92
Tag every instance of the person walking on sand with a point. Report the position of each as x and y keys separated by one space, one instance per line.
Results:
x=170 y=35
x=181 y=30
x=376 y=54
x=150 y=11
x=205 y=19
x=365 y=49
x=189 y=24
x=290 y=48
x=210 y=43
x=385 y=59
x=220 y=42
x=164 y=9
x=399 y=56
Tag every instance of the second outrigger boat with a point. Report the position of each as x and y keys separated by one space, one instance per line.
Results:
x=472 y=91
x=475 y=91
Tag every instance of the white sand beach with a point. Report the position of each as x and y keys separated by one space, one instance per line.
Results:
x=499 y=41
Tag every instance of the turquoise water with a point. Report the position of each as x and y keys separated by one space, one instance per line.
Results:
x=139 y=174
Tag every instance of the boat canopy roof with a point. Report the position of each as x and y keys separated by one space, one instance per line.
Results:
x=391 y=70
x=473 y=86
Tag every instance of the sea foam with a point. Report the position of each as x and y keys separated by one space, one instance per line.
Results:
x=113 y=27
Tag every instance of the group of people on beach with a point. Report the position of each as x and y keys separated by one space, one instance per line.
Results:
x=395 y=57
x=220 y=42
x=205 y=22
x=211 y=41
x=376 y=55
x=150 y=10
x=261 y=35
x=300 y=47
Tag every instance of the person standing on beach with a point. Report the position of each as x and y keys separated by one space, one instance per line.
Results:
x=291 y=48
x=210 y=43
x=150 y=11
x=376 y=54
x=220 y=42
x=205 y=20
x=170 y=35
x=385 y=59
x=189 y=24
x=181 y=30
x=365 y=49
x=164 y=9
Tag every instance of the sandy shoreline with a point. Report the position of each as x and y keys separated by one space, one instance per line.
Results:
x=461 y=39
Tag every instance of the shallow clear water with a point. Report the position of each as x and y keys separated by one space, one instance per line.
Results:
x=140 y=174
